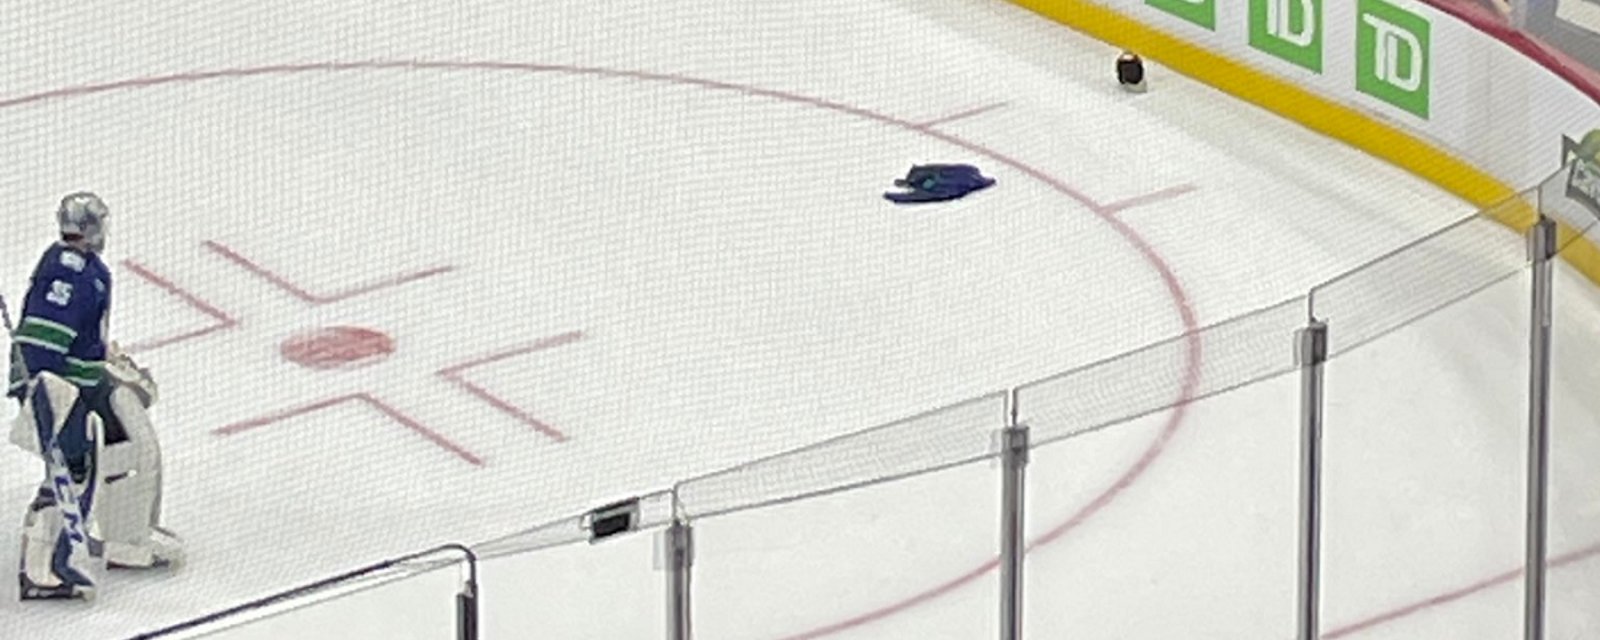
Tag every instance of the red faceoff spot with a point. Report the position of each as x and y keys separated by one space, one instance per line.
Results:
x=337 y=348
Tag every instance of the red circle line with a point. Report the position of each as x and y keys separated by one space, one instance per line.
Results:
x=1105 y=213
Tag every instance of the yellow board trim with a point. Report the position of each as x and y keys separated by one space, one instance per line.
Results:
x=1315 y=112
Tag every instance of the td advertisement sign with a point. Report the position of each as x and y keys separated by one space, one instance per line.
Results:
x=1390 y=58
x=1200 y=12
x=1290 y=30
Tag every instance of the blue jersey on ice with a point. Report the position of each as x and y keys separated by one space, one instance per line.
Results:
x=63 y=318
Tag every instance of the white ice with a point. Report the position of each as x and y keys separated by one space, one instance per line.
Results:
x=742 y=289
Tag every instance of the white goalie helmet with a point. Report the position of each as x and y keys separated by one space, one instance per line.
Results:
x=83 y=214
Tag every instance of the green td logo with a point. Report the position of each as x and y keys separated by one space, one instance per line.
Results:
x=1392 y=56
x=1200 y=12
x=1288 y=29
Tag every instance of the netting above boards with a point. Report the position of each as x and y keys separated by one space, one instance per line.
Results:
x=952 y=435
x=646 y=512
x=1224 y=356
x=1425 y=275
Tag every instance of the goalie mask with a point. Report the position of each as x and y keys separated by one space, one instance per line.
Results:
x=82 y=214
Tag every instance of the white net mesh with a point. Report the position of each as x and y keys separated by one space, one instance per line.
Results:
x=417 y=273
x=1432 y=272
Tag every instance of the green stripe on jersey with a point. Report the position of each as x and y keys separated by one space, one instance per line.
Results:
x=84 y=372
x=46 y=334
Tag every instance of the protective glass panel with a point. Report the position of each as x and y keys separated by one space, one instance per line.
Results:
x=1226 y=355
x=1424 y=462
x=551 y=581
x=911 y=559
x=652 y=510
x=405 y=604
x=957 y=433
x=612 y=589
x=1429 y=273
x=1572 y=581
x=1178 y=524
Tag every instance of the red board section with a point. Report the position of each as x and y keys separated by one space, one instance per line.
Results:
x=1489 y=22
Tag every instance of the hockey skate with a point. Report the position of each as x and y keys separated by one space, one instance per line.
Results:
x=28 y=589
x=162 y=550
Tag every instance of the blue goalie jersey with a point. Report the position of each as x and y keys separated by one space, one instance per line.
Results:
x=63 y=319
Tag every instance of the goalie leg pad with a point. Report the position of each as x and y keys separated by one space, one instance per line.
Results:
x=129 y=509
x=52 y=568
x=40 y=528
x=61 y=556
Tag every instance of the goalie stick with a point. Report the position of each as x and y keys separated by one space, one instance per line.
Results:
x=55 y=462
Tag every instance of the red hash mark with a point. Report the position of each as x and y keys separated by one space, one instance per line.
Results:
x=453 y=373
x=222 y=320
x=960 y=115
x=383 y=407
x=1149 y=198
x=315 y=298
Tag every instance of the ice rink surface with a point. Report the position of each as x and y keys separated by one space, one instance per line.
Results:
x=619 y=244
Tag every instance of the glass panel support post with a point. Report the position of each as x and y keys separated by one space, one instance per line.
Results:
x=1311 y=354
x=1013 y=546
x=1542 y=252
x=679 y=542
